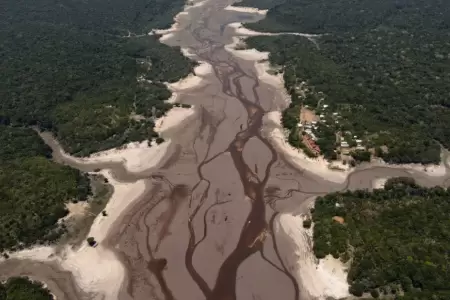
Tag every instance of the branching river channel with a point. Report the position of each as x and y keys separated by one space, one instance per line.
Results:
x=206 y=226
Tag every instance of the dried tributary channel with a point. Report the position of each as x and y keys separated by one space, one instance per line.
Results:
x=204 y=229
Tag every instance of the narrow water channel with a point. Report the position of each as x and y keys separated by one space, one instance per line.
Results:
x=205 y=227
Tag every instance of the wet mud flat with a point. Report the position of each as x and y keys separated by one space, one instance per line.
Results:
x=204 y=231
x=205 y=227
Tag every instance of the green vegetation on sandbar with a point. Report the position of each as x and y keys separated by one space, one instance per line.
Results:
x=384 y=66
x=33 y=190
x=86 y=71
x=397 y=239
x=21 y=288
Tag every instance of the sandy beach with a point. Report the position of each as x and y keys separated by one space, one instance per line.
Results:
x=96 y=269
x=138 y=156
x=334 y=171
x=247 y=9
x=193 y=80
x=326 y=278
x=318 y=166
x=379 y=183
x=188 y=233
x=241 y=30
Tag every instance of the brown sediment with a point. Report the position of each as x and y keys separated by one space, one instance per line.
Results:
x=204 y=228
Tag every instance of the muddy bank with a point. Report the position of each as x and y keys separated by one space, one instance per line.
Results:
x=203 y=222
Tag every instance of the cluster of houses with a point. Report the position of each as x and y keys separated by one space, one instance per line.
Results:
x=308 y=137
x=346 y=147
x=309 y=126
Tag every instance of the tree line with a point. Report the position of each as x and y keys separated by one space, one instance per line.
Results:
x=383 y=65
x=22 y=288
x=33 y=190
x=396 y=239
x=76 y=68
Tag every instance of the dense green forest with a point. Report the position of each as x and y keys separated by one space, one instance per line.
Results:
x=20 y=288
x=33 y=190
x=383 y=65
x=397 y=238
x=72 y=67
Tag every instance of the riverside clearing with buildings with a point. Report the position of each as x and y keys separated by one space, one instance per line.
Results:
x=314 y=122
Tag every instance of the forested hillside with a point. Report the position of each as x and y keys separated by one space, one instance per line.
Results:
x=398 y=239
x=72 y=67
x=33 y=190
x=383 y=65
x=20 y=288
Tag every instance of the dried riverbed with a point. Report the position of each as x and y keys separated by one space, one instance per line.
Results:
x=206 y=225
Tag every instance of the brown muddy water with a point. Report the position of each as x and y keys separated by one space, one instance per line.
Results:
x=204 y=228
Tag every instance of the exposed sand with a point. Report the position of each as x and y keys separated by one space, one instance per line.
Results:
x=379 y=183
x=123 y=196
x=327 y=278
x=76 y=210
x=139 y=156
x=334 y=171
x=192 y=80
x=173 y=98
x=253 y=10
x=136 y=157
x=203 y=69
x=95 y=269
x=430 y=170
x=98 y=269
x=173 y=118
x=39 y=253
x=318 y=166
x=247 y=54
x=240 y=30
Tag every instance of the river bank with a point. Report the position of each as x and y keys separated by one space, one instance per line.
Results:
x=320 y=278
x=97 y=269
x=196 y=225
x=333 y=171
x=326 y=277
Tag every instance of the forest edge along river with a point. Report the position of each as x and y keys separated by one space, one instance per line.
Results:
x=209 y=219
